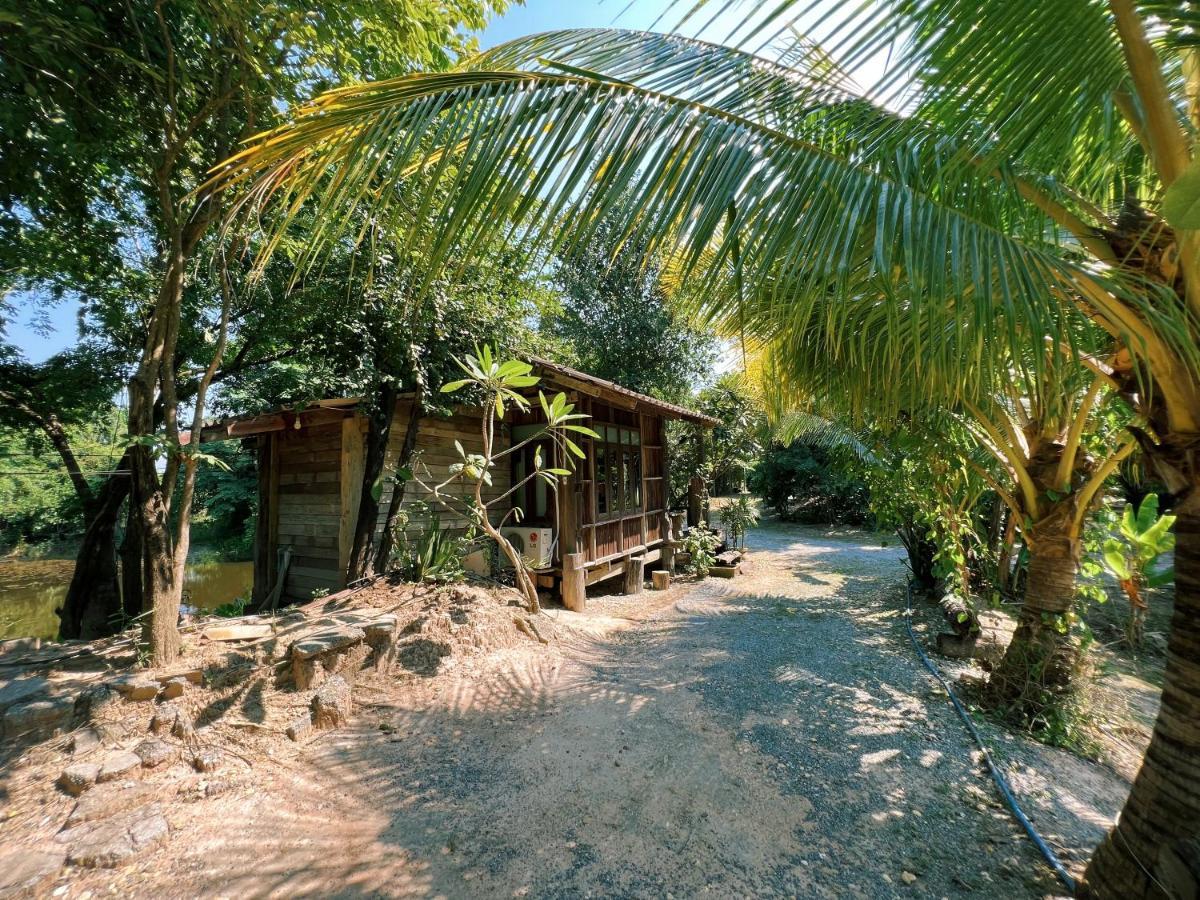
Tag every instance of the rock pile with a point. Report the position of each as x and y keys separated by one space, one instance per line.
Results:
x=138 y=741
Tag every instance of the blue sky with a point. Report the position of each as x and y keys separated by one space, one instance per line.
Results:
x=55 y=327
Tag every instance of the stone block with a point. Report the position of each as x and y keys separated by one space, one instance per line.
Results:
x=332 y=703
x=78 y=777
x=153 y=752
x=192 y=676
x=174 y=688
x=85 y=740
x=27 y=872
x=328 y=640
x=107 y=800
x=110 y=842
x=206 y=759
x=135 y=687
x=300 y=727
x=117 y=764
x=39 y=719
x=165 y=718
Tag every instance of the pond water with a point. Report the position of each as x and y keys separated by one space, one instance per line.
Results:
x=30 y=589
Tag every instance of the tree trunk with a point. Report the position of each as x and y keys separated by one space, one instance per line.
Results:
x=92 y=607
x=378 y=434
x=1004 y=557
x=920 y=552
x=131 y=565
x=1162 y=813
x=403 y=458
x=1041 y=659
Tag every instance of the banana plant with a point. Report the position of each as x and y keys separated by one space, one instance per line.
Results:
x=1145 y=536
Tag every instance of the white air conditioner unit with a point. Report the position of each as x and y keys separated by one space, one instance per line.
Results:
x=536 y=545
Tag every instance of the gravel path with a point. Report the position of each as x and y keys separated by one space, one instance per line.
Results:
x=772 y=736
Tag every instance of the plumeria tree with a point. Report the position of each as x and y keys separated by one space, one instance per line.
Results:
x=499 y=384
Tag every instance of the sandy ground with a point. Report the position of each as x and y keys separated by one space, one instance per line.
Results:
x=772 y=736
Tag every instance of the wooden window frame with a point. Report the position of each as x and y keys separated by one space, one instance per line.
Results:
x=631 y=451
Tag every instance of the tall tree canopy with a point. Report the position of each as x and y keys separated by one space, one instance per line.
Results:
x=112 y=114
x=617 y=318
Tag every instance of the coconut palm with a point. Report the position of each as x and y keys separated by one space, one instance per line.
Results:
x=1049 y=442
x=1024 y=179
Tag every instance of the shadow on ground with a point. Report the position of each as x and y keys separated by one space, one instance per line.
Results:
x=769 y=736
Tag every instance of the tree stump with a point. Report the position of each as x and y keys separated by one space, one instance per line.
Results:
x=635 y=574
x=661 y=579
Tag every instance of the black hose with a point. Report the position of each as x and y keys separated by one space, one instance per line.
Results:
x=997 y=776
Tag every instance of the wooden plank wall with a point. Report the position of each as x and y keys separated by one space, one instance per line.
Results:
x=435 y=445
x=309 y=478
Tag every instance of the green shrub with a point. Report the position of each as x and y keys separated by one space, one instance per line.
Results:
x=702 y=545
x=738 y=517
x=804 y=483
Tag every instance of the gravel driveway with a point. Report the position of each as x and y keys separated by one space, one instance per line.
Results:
x=771 y=736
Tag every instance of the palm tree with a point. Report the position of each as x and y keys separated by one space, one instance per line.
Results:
x=1005 y=204
x=1047 y=438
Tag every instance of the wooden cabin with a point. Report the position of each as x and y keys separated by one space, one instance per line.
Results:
x=608 y=518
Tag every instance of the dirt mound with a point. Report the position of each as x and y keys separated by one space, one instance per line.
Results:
x=247 y=695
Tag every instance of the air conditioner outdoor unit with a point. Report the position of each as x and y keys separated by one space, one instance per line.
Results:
x=536 y=545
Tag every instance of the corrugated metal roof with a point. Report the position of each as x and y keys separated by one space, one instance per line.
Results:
x=669 y=409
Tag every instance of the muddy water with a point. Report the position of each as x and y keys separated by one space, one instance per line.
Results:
x=30 y=589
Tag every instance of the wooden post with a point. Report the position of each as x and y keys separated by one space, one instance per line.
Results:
x=574 y=585
x=635 y=568
x=568 y=494
x=695 y=510
x=264 y=552
x=661 y=579
x=351 y=490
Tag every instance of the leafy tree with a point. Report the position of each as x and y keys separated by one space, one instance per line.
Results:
x=619 y=323
x=503 y=385
x=804 y=482
x=725 y=454
x=119 y=112
x=739 y=517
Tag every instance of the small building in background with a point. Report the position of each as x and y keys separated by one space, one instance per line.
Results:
x=608 y=518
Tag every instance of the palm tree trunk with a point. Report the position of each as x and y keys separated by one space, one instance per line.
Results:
x=1138 y=858
x=1041 y=658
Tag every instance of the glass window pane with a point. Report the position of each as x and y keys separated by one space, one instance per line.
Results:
x=636 y=480
x=614 y=481
x=637 y=437
x=601 y=482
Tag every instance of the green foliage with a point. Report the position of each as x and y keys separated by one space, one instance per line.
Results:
x=738 y=517
x=616 y=320
x=731 y=449
x=807 y=483
x=701 y=544
x=233 y=608
x=435 y=554
x=1142 y=537
x=921 y=485
x=37 y=501
x=226 y=504
x=497 y=384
